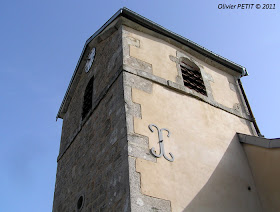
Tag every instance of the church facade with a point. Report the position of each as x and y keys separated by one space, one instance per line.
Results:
x=154 y=122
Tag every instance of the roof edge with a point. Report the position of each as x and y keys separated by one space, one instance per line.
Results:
x=200 y=49
x=259 y=141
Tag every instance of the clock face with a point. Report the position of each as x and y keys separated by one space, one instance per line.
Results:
x=90 y=59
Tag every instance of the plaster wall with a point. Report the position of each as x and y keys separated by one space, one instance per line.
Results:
x=224 y=87
x=210 y=171
x=163 y=58
x=266 y=171
x=156 y=53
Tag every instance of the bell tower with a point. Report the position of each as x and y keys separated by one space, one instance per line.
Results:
x=154 y=122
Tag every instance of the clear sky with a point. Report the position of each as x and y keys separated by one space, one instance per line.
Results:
x=41 y=42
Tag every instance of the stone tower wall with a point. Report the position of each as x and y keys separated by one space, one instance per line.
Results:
x=93 y=157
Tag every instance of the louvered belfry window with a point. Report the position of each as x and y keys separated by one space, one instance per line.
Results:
x=192 y=78
x=87 y=98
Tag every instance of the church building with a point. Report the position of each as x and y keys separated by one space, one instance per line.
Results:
x=153 y=122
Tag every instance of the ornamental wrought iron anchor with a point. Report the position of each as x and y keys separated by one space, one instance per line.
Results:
x=161 y=145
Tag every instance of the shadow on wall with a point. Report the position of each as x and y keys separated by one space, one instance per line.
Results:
x=231 y=186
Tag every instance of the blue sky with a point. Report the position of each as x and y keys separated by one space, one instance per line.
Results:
x=41 y=42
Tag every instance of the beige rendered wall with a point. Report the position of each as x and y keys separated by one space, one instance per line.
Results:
x=158 y=53
x=210 y=171
x=266 y=171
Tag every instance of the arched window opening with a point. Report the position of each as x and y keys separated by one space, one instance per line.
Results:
x=192 y=77
x=87 y=104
